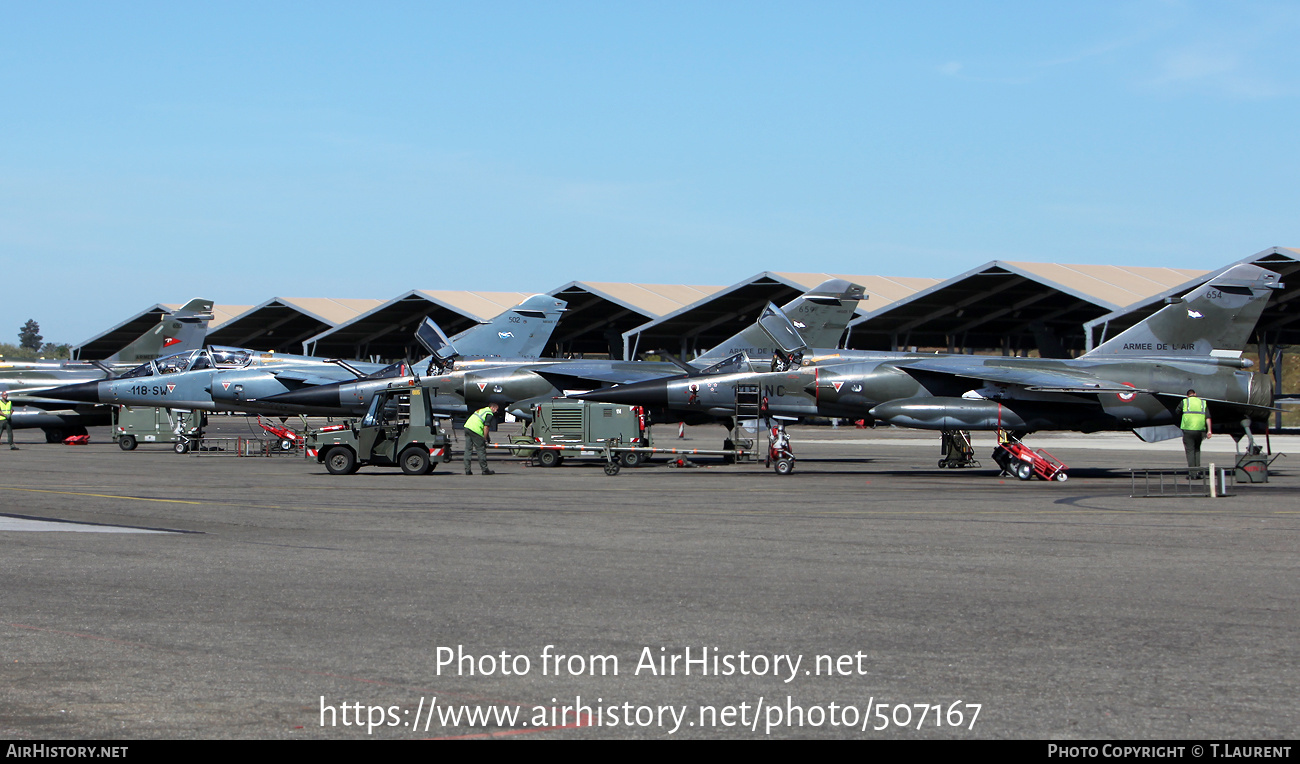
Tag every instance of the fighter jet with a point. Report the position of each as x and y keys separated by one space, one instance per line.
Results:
x=30 y=382
x=1134 y=381
x=239 y=380
x=823 y=311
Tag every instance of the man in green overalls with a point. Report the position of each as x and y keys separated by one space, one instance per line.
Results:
x=476 y=428
x=1195 y=424
x=6 y=418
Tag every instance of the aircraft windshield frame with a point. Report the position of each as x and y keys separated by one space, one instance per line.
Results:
x=230 y=358
x=177 y=362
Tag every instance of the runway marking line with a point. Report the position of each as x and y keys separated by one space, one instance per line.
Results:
x=98 y=495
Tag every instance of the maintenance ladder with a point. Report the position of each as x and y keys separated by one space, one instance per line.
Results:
x=1183 y=483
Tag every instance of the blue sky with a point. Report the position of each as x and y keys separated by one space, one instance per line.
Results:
x=153 y=152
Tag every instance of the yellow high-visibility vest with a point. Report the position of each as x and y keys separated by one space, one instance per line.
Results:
x=477 y=422
x=1194 y=411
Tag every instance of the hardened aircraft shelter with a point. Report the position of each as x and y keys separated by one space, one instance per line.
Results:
x=694 y=328
x=282 y=323
x=599 y=313
x=387 y=330
x=111 y=340
x=1014 y=307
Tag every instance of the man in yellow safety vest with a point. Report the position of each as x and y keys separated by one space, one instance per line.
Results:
x=476 y=428
x=1195 y=424
x=6 y=418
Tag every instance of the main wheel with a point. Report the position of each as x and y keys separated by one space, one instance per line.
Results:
x=784 y=466
x=54 y=435
x=632 y=459
x=126 y=443
x=340 y=461
x=415 y=461
x=549 y=458
x=1024 y=470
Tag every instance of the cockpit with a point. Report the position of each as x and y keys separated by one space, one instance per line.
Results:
x=215 y=357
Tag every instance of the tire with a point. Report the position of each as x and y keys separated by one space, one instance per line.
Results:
x=433 y=465
x=414 y=461
x=548 y=458
x=1062 y=476
x=632 y=459
x=784 y=466
x=612 y=468
x=181 y=447
x=340 y=461
x=1024 y=470
x=286 y=445
x=729 y=445
x=53 y=435
x=943 y=463
x=127 y=443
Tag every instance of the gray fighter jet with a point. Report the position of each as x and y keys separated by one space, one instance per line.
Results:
x=1134 y=381
x=239 y=380
x=29 y=383
x=823 y=311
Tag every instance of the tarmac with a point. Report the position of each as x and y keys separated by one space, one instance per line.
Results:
x=867 y=595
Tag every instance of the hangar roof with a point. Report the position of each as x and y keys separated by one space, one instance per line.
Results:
x=1016 y=306
x=600 y=312
x=115 y=338
x=696 y=327
x=387 y=330
x=282 y=323
x=1280 y=320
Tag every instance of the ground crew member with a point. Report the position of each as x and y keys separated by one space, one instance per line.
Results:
x=1195 y=424
x=476 y=428
x=6 y=418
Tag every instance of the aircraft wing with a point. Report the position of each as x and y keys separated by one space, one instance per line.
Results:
x=1037 y=380
x=304 y=377
x=604 y=373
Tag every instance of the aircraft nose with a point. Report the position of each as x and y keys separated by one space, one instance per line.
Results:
x=82 y=392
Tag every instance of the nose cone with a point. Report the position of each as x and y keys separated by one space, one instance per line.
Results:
x=650 y=393
x=82 y=392
x=318 y=397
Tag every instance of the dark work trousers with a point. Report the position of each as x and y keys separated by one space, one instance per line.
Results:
x=474 y=442
x=1192 y=445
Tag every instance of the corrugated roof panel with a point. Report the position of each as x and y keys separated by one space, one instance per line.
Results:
x=484 y=306
x=880 y=290
x=332 y=310
x=651 y=299
x=1114 y=284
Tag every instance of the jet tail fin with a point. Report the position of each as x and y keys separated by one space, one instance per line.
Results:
x=184 y=329
x=820 y=315
x=1213 y=320
x=521 y=332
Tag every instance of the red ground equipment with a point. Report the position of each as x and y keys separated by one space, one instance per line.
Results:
x=76 y=440
x=1017 y=459
x=289 y=440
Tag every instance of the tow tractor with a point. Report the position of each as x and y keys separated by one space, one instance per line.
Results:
x=1015 y=458
x=399 y=430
